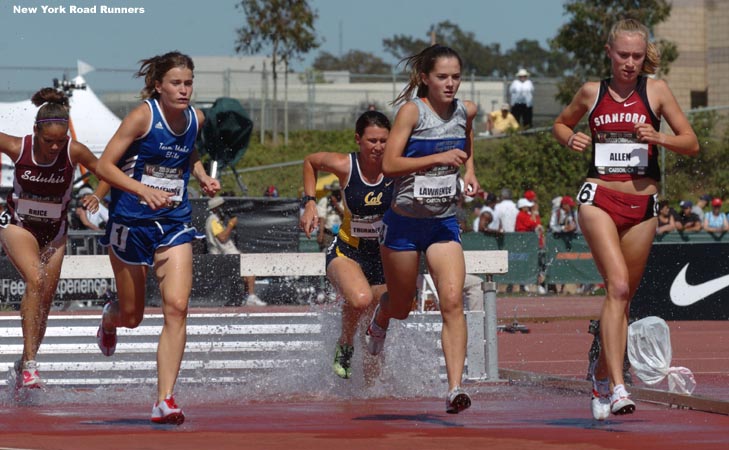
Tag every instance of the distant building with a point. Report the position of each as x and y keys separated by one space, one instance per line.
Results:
x=700 y=29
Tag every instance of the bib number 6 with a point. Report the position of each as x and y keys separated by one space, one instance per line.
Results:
x=587 y=193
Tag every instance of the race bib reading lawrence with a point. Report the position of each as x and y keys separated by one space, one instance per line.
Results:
x=435 y=186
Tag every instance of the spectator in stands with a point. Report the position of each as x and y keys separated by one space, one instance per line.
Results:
x=149 y=161
x=219 y=235
x=526 y=220
x=564 y=219
x=521 y=93
x=617 y=201
x=501 y=122
x=688 y=220
x=666 y=222
x=34 y=224
x=506 y=211
x=716 y=221
x=85 y=219
x=353 y=262
x=700 y=207
x=488 y=222
x=271 y=191
x=331 y=212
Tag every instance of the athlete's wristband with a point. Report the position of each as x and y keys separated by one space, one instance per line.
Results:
x=570 y=140
x=306 y=199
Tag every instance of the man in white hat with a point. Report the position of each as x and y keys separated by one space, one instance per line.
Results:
x=521 y=94
x=220 y=242
x=331 y=212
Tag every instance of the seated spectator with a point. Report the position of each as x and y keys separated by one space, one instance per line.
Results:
x=688 y=220
x=84 y=220
x=219 y=231
x=331 y=211
x=666 y=221
x=700 y=205
x=715 y=221
x=491 y=224
x=502 y=121
x=271 y=191
x=526 y=220
x=564 y=219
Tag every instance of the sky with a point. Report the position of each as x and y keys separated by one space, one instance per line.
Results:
x=30 y=40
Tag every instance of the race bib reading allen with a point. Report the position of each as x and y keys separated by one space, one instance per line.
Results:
x=620 y=152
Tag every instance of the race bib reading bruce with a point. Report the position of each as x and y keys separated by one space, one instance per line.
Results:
x=33 y=209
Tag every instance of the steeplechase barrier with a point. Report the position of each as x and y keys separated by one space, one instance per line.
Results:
x=224 y=347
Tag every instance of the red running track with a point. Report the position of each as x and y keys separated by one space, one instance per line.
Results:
x=503 y=416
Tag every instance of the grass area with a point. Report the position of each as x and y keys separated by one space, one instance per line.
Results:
x=288 y=180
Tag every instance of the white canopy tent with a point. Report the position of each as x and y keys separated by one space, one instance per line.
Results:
x=94 y=124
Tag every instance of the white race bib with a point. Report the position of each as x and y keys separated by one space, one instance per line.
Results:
x=36 y=209
x=365 y=229
x=441 y=186
x=634 y=154
x=165 y=179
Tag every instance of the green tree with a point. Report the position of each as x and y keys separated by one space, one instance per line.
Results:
x=583 y=38
x=480 y=58
x=284 y=26
x=528 y=54
x=477 y=57
x=354 y=61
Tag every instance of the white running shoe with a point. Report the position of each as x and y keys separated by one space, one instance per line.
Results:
x=375 y=336
x=27 y=376
x=620 y=402
x=600 y=401
x=167 y=411
x=253 y=300
x=458 y=400
x=106 y=340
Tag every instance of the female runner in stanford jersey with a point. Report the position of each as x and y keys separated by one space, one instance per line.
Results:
x=353 y=260
x=431 y=139
x=148 y=163
x=34 y=226
x=618 y=206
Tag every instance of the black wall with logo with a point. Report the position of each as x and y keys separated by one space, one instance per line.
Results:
x=706 y=262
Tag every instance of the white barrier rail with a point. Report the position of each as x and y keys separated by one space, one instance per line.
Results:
x=221 y=346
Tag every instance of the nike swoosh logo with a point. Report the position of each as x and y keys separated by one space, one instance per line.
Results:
x=388 y=183
x=684 y=294
x=634 y=206
x=629 y=104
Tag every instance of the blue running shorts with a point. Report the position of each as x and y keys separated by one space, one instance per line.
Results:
x=402 y=233
x=136 y=243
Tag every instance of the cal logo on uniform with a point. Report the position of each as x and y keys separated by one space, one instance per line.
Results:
x=371 y=200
